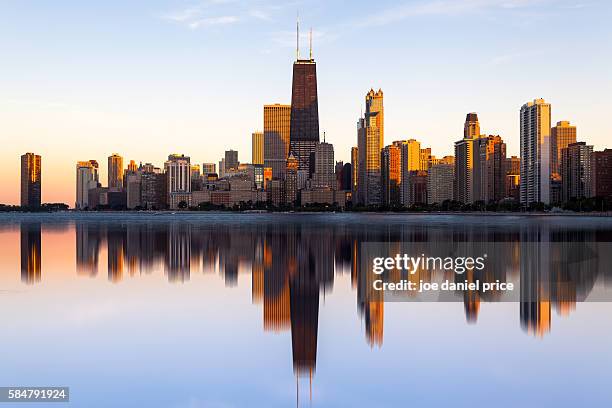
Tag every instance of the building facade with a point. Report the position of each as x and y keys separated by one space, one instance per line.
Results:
x=257 y=148
x=324 y=170
x=576 y=171
x=465 y=149
x=391 y=173
x=561 y=136
x=489 y=174
x=304 y=111
x=440 y=181
x=370 y=141
x=410 y=162
x=535 y=121
x=277 y=128
x=87 y=178
x=178 y=177
x=31 y=184
x=602 y=174
x=115 y=171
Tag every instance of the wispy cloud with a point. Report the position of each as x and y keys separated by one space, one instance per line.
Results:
x=260 y=15
x=209 y=21
x=219 y=12
x=443 y=7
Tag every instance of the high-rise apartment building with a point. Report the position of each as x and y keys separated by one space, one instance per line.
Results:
x=513 y=178
x=304 y=109
x=425 y=159
x=440 y=180
x=410 y=162
x=324 y=171
x=416 y=187
x=489 y=174
x=154 y=187
x=87 y=178
x=178 y=175
x=370 y=138
x=132 y=181
x=576 y=171
x=257 y=148
x=115 y=171
x=277 y=129
x=30 y=180
x=391 y=174
x=561 y=136
x=465 y=149
x=535 y=152
x=231 y=161
x=602 y=174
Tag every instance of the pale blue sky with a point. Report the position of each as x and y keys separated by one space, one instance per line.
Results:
x=81 y=81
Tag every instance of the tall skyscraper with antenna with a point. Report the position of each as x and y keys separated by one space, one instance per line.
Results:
x=304 y=133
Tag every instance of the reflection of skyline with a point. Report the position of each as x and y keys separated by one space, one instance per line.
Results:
x=292 y=264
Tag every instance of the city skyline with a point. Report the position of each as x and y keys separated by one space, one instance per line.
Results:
x=429 y=108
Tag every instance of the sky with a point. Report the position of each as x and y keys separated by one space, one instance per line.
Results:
x=81 y=81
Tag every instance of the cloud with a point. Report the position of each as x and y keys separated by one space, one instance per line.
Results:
x=218 y=12
x=442 y=7
x=209 y=21
x=260 y=15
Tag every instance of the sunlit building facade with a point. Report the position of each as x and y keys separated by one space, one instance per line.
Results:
x=31 y=185
x=115 y=171
x=535 y=152
x=370 y=141
x=277 y=128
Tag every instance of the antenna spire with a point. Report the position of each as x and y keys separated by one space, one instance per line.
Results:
x=311 y=43
x=297 y=37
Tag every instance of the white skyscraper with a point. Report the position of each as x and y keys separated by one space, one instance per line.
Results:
x=86 y=178
x=324 y=175
x=178 y=173
x=535 y=152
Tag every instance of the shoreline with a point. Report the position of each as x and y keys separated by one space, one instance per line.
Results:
x=165 y=213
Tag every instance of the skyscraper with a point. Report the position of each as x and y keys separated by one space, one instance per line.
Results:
x=535 y=152
x=324 y=166
x=440 y=180
x=602 y=174
x=115 y=171
x=30 y=180
x=86 y=179
x=304 y=108
x=410 y=162
x=561 y=136
x=257 y=148
x=489 y=169
x=277 y=128
x=178 y=174
x=391 y=173
x=465 y=150
x=576 y=171
x=231 y=160
x=370 y=141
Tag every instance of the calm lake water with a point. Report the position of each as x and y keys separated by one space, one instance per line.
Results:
x=227 y=309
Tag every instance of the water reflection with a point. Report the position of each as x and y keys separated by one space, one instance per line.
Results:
x=293 y=261
x=30 y=253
